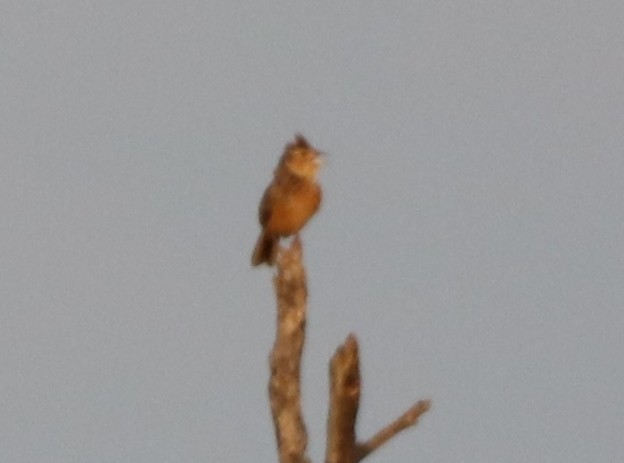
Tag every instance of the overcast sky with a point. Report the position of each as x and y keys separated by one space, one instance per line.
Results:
x=472 y=231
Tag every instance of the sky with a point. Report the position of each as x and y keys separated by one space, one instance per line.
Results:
x=470 y=235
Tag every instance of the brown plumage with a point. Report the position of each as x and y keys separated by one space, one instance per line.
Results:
x=290 y=200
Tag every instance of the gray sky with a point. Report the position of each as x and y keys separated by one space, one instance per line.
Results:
x=471 y=234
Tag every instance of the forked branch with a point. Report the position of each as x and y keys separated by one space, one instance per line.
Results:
x=345 y=382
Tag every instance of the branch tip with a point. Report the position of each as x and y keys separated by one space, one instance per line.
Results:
x=407 y=419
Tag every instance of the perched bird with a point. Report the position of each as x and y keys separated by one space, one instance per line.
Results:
x=290 y=200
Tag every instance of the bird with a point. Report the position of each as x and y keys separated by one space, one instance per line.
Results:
x=290 y=200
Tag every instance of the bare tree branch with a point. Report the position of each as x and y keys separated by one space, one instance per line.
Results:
x=409 y=418
x=345 y=382
x=344 y=373
x=285 y=360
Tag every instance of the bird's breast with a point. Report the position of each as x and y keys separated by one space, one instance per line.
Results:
x=292 y=209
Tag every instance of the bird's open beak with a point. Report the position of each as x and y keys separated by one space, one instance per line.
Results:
x=320 y=158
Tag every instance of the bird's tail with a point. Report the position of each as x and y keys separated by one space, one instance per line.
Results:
x=265 y=251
